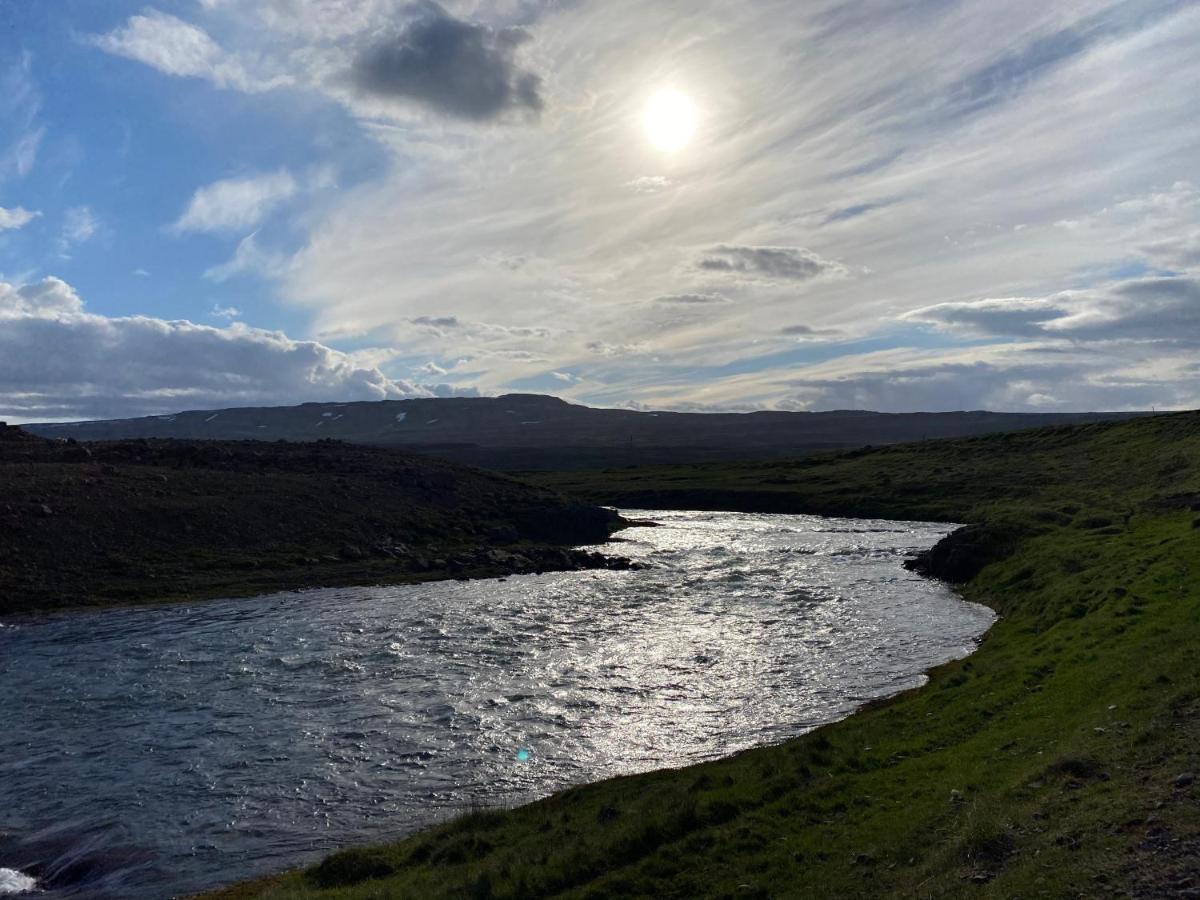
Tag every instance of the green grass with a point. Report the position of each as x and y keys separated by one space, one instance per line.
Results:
x=1045 y=765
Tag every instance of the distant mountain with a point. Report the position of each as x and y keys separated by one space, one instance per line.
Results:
x=532 y=431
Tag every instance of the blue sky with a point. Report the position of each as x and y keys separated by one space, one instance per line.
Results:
x=932 y=204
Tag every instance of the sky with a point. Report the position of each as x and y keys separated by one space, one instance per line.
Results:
x=875 y=204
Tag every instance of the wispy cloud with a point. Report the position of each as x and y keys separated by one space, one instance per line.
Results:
x=79 y=226
x=16 y=217
x=20 y=134
x=250 y=259
x=180 y=48
x=236 y=204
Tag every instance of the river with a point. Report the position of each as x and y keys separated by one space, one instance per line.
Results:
x=159 y=751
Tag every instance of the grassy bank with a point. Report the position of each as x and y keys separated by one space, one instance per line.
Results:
x=147 y=521
x=1055 y=762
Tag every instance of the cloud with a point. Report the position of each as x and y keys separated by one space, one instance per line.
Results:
x=437 y=321
x=179 y=48
x=692 y=299
x=228 y=313
x=56 y=362
x=1153 y=308
x=805 y=332
x=431 y=370
x=236 y=204
x=770 y=263
x=49 y=297
x=1007 y=317
x=249 y=259
x=20 y=102
x=1017 y=69
x=649 y=184
x=457 y=68
x=856 y=210
x=16 y=217
x=79 y=226
x=1005 y=385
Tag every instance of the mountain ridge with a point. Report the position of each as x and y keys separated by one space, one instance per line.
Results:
x=536 y=431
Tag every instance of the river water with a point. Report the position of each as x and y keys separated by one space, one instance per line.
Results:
x=154 y=752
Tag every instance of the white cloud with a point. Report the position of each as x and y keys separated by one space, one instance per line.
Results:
x=176 y=47
x=431 y=370
x=56 y=362
x=236 y=204
x=16 y=217
x=49 y=297
x=228 y=313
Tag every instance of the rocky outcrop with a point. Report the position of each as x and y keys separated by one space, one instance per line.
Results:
x=960 y=556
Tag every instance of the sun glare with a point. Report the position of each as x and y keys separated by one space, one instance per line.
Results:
x=670 y=120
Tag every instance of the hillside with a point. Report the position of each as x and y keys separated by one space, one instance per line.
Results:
x=526 y=431
x=1058 y=761
x=131 y=521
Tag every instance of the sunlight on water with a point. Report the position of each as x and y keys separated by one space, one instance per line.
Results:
x=12 y=882
x=178 y=748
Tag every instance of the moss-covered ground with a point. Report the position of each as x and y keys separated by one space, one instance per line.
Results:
x=1055 y=762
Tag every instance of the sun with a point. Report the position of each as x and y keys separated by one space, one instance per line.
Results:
x=670 y=120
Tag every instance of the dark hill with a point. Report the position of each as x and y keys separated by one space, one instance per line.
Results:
x=136 y=520
x=529 y=431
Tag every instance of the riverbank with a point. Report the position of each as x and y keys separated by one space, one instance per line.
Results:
x=1058 y=761
x=130 y=522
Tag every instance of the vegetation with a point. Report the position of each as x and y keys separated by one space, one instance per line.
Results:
x=1055 y=762
x=138 y=521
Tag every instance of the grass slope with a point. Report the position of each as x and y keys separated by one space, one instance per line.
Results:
x=135 y=521
x=1055 y=762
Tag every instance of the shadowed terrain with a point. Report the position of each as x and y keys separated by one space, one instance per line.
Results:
x=133 y=521
x=530 y=431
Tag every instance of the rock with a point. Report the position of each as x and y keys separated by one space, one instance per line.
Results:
x=45 y=511
x=351 y=553
x=956 y=796
x=1185 y=780
x=960 y=556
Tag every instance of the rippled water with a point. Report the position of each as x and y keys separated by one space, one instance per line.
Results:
x=145 y=752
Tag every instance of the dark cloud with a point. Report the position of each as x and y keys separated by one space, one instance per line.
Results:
x=774 y=263
x=1141 y=309
x=807 y=331
x=1010 y=317
x=437 y=321
x=458 y=68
